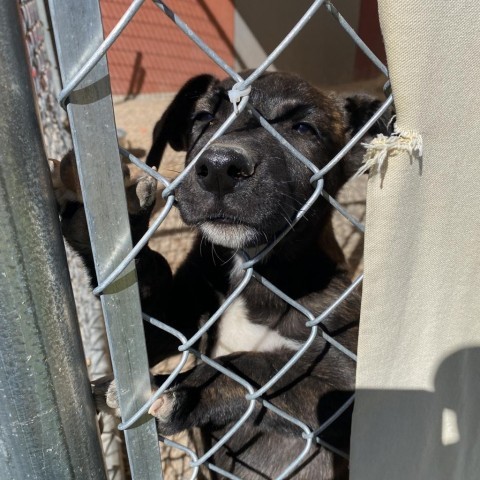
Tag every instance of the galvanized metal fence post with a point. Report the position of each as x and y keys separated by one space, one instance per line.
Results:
x=47 y=417
x=78 y=33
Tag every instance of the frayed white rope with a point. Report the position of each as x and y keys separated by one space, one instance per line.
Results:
x=235 y=95
x=381 y=146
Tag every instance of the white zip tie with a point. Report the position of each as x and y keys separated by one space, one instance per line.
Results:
x=235 y=95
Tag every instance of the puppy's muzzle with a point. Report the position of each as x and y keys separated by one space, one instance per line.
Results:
x=220 y=169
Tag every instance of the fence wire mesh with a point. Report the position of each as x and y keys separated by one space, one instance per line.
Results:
x=239 y=96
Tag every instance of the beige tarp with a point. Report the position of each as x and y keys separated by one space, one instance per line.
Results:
x=417 y=414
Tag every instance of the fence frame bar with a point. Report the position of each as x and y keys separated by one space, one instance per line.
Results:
x=90 y=111
x=47 y=417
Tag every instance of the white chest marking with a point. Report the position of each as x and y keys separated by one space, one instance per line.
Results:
x=237 y=334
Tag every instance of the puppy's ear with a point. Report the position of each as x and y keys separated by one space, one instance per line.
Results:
x=175 y=124
x=359 y=109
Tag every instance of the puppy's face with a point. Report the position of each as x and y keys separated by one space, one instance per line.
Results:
x=246 y=187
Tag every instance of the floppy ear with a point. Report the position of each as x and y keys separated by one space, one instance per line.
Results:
x=359 y=108
x=175 y=124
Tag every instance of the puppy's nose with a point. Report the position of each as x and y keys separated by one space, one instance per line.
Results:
x=220 y=169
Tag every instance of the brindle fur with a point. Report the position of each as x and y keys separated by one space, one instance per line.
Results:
x=264 y=190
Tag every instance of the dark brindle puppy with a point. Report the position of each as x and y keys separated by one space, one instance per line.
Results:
x=244 y=190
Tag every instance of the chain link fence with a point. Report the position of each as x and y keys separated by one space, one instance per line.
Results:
x=81 y=75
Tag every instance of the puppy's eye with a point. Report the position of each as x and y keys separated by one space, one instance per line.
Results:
x=304 y=128
x=203 y=116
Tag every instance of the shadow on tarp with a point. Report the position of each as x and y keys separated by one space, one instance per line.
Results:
x=421 y=435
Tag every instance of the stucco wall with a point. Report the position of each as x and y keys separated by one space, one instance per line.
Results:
x=322 y=53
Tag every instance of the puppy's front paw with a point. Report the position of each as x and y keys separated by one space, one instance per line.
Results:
x=140 y=188
x=140 y=191
x=105 y=394
x=172 y=412
x=163 y=407
x=66 y=185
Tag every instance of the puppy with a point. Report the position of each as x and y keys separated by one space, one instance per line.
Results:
x=243 y=191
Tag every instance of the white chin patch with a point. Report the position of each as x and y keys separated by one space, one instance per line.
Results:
x=230 y=236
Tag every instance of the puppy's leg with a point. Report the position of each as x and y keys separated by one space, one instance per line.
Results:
x=140 y=192
x=204 y=397
x=153 y=271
